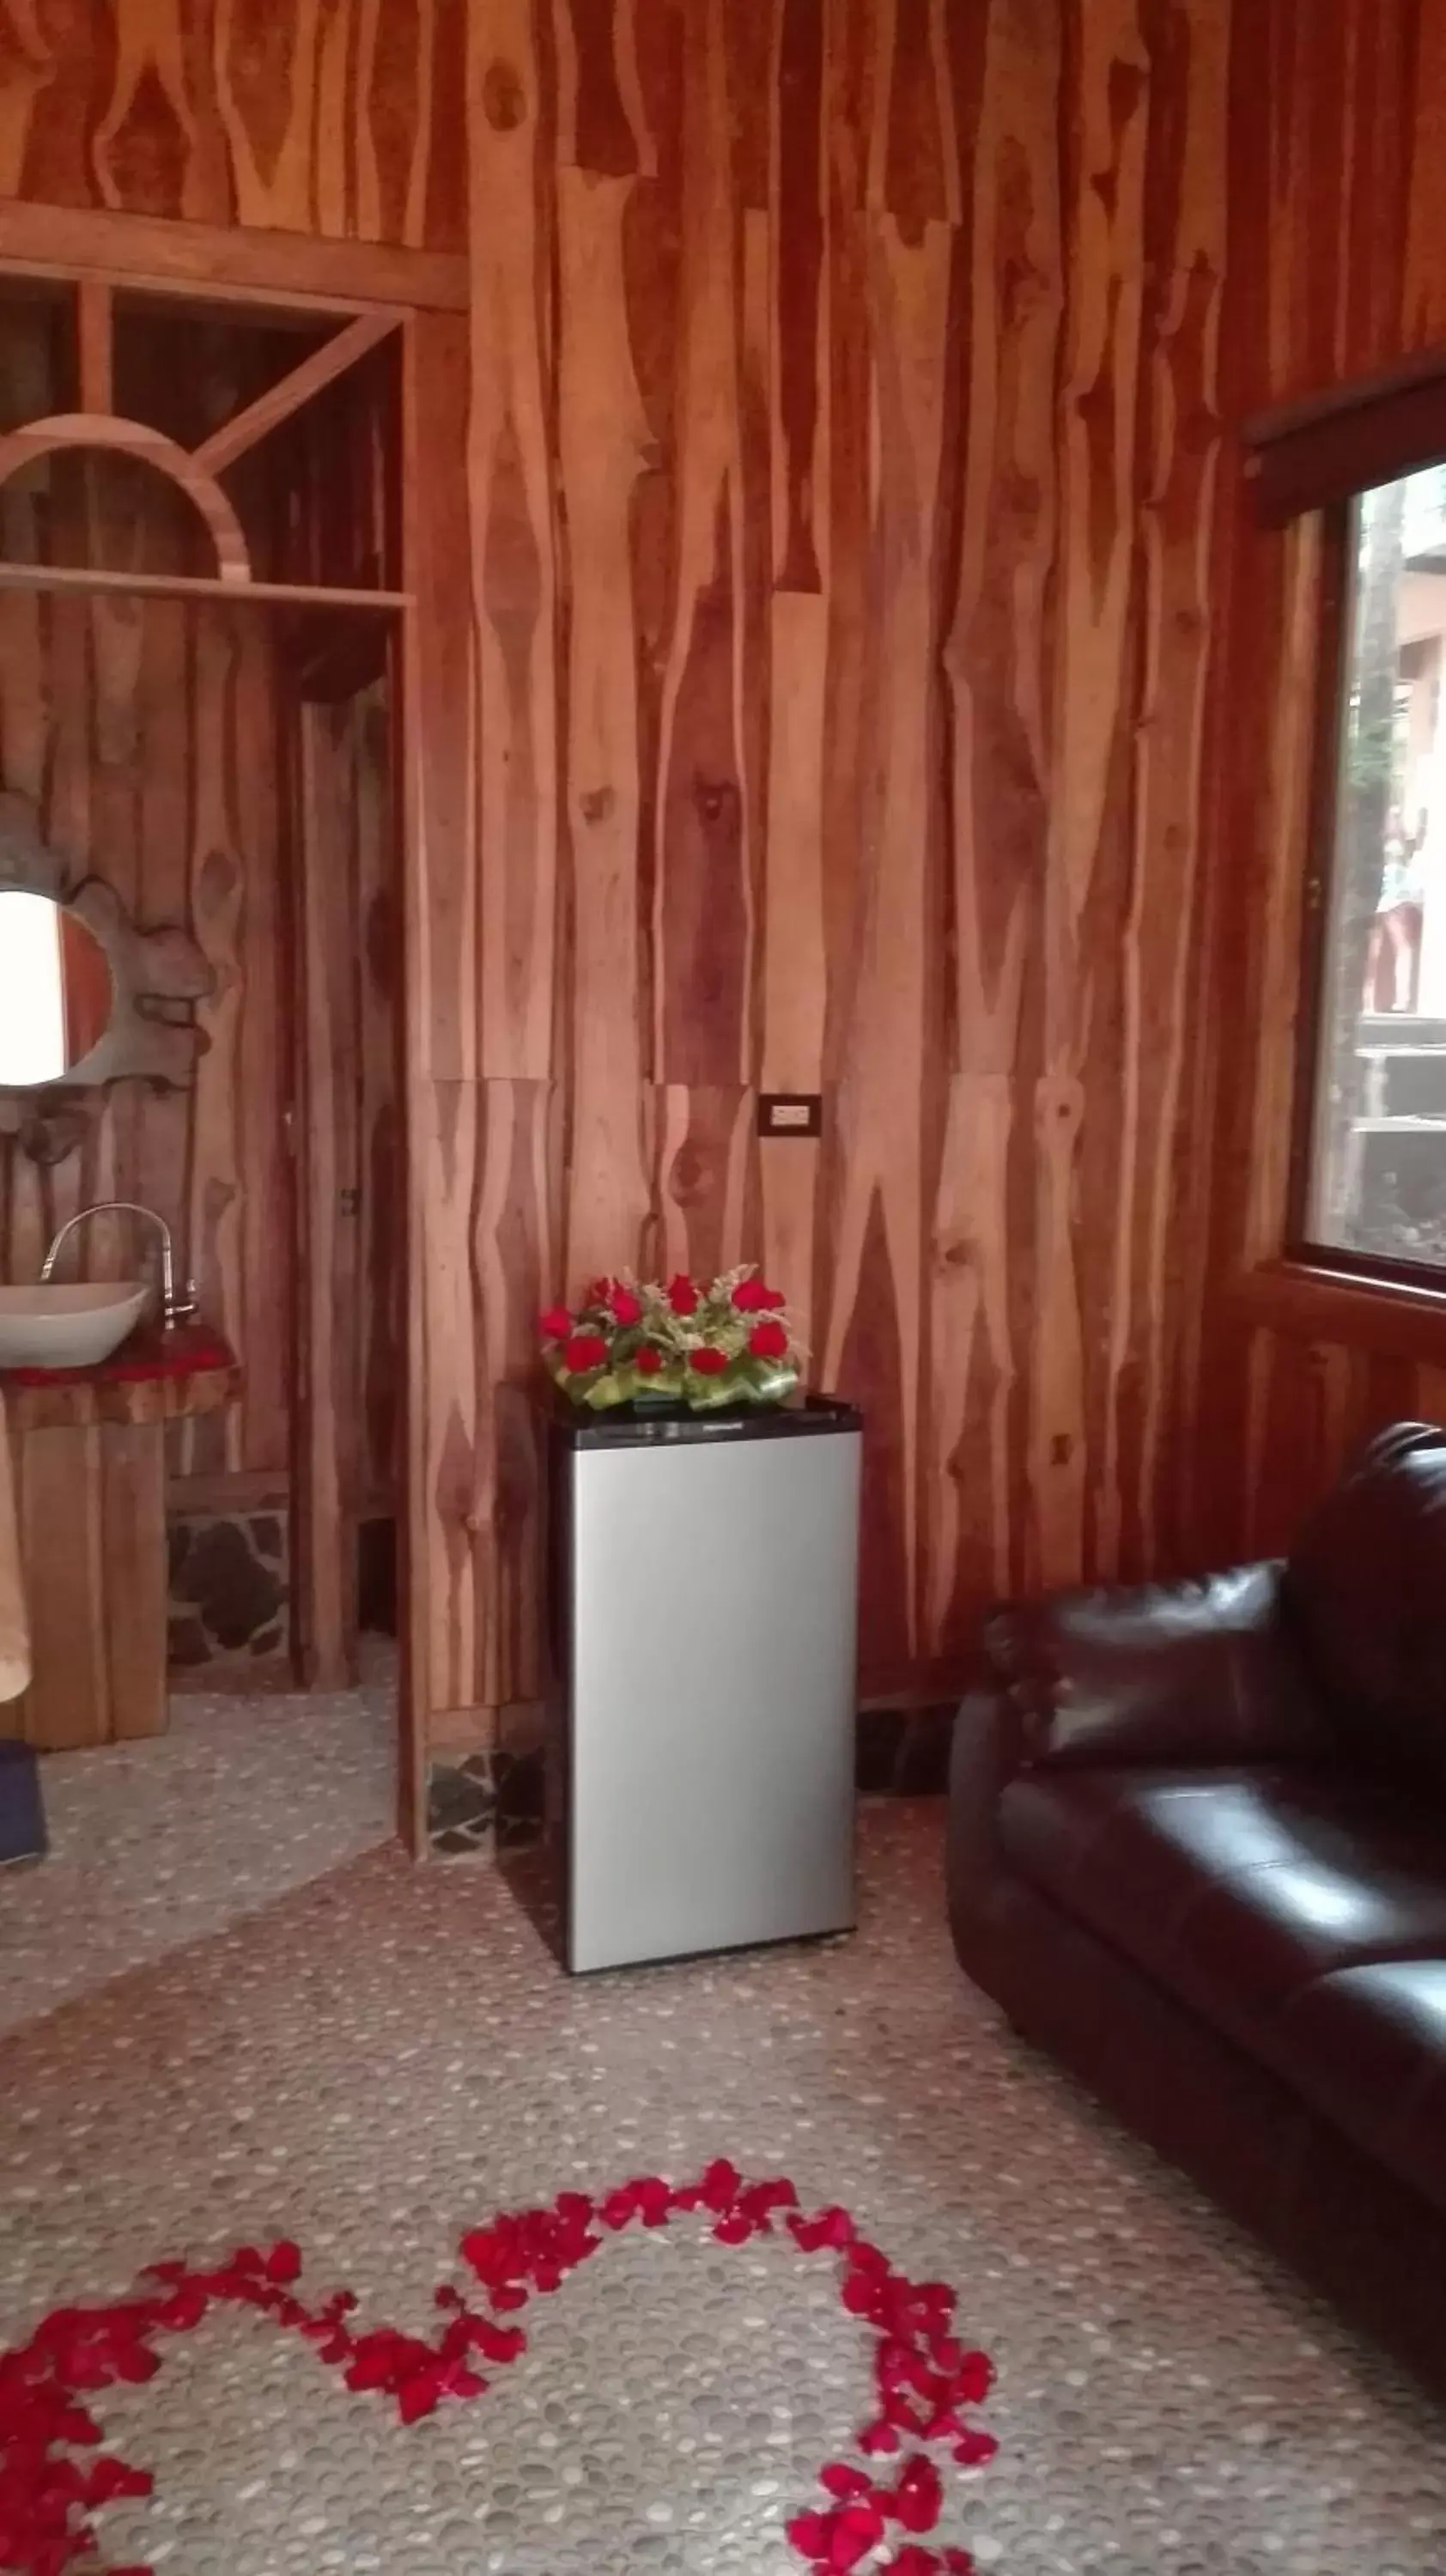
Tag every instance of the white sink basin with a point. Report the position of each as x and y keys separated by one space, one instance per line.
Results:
x=68 y=1327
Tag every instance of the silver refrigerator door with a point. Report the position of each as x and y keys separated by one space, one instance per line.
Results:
x=713 y=1695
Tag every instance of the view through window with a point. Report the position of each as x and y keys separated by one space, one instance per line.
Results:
x=1378 y=1160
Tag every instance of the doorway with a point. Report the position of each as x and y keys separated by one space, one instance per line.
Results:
x=200 y=682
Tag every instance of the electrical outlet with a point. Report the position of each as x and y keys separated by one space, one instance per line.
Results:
x=790 y=1113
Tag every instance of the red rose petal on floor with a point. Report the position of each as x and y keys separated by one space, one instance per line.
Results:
x=918 y=2499
x=808 y=2533
x=418 y=2397
x=922 y=2371
x=975 y=2450
x=844 y=2481
x=110 y=2479
x=879 y=2437
x=737 y=2227
x=829 y=2227
x=857 y=2528
x=721 y=2184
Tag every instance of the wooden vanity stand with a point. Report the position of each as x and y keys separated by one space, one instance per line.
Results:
x=88 y=1455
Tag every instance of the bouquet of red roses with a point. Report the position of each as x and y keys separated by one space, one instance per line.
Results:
x=730 y=1343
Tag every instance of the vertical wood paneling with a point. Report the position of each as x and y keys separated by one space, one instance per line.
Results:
x=344 y=1439
x=376 y=996
x=873 y=1340
x=795 y=868
x=1423 y=313
x=1103 y=218
x=847 y=377
x=703 y=899
x=144 y=730
x=997 y=660
x=514 y=581
x=319 y=116
x=439 y=688
x=516 y=1251
x=1178 y=467
x=90 y=1522
x=1338 y=117
x=444 y=1637
x=604 y=446
x=814 y=536
x=706 y=1189
x=487 y=1200
x=224 y=1100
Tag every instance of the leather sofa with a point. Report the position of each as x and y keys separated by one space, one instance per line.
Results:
x=1198 y=1852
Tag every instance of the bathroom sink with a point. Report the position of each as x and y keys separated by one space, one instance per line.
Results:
x=69 y=1327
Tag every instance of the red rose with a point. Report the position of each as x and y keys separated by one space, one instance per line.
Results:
x=768 y=1341
x=682 y=1295
x=555 y=1325
x=751 y=1297
x=708 y=1363
x=647 y=1361
x=598 y=1293
x=583 y=1351
x=625 y=1306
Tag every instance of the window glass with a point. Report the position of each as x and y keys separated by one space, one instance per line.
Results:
x=1378 y=1144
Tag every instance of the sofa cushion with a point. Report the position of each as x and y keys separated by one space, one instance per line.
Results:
x=1368 y=2047
x=1365 y=1589
x=1234 y=1890
x=1205 y=1670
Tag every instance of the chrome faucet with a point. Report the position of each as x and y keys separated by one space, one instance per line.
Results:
x=174 y=1309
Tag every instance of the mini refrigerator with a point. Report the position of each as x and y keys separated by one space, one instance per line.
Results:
x=703 y=1626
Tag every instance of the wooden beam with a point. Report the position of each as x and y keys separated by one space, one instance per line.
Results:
x=256 y=422
x=179 y=585
x=226 y=262
x=93 y=323
x=150 y=447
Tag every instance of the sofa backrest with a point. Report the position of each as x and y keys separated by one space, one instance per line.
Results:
x=1365 y=1590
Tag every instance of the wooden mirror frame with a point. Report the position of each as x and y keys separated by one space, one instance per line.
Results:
x=157 y=978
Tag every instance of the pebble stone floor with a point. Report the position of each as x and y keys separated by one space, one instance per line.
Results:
x=157 y=1842
x=378 y=2058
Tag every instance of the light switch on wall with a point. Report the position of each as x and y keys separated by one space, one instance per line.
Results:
x=790 y=1113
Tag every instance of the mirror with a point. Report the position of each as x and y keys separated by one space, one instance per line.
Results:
x=87 y=997
x=56 y=992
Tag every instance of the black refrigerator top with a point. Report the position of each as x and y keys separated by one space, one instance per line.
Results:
x=629 y=1426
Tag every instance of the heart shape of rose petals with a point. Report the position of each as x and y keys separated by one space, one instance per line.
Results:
x=924 y=2376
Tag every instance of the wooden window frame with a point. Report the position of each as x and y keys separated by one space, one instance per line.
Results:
x=1321 y=456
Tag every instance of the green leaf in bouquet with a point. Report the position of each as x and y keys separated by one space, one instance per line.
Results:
x=607 y=1388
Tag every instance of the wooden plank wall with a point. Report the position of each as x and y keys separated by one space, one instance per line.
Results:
x=348 y=1176
x=330 y=117
x=842 y=461
x=1338 y=208
x=815 y=536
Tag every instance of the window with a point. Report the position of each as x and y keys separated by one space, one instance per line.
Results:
x=1374 y=1175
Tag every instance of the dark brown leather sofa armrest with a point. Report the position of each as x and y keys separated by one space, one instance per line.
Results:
x=1203 y=1671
